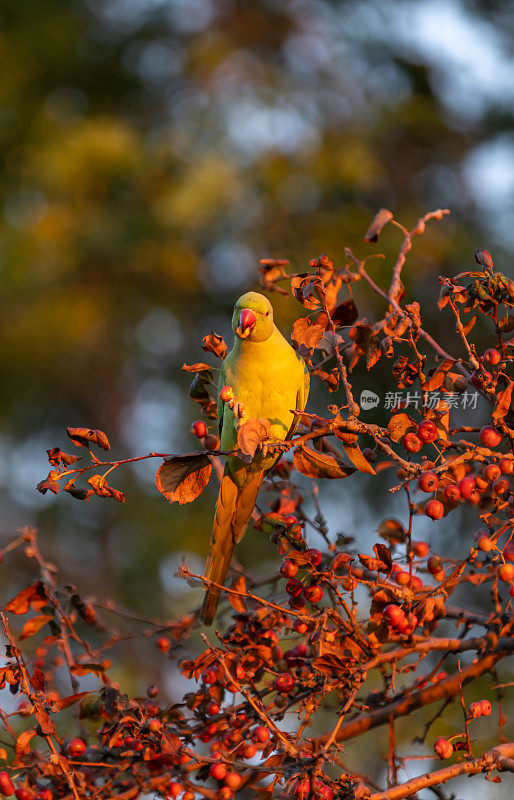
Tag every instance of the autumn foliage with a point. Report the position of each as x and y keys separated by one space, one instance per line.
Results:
x=337 y=641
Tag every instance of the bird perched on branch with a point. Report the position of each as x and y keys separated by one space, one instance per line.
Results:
x=269 y=379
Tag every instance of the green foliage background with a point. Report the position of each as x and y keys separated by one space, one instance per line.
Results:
x=151 y=153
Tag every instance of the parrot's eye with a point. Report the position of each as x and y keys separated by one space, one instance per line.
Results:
x=267 y=313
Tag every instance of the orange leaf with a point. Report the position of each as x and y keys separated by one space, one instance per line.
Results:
x=251 y=434
x=237 y=602
x=21 y=603
x=34 y=625
x=398 y=426
x=83 y=436
x=503 y=400
x=22 y=746
x=354 y=453
x=198 y=366
x=181 y=479
x=320 y=465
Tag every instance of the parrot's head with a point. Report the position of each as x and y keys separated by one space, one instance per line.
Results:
x=253 y=317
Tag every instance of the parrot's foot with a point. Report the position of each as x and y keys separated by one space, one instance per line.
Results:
x=239 y=412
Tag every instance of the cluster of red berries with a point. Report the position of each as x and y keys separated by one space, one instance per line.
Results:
x=403 y=623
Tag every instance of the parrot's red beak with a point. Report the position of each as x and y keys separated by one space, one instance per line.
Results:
x=247 y=320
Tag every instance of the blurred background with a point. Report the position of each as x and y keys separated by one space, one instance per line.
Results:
x=152 y=151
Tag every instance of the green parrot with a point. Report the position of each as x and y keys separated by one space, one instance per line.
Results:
x=269 y=378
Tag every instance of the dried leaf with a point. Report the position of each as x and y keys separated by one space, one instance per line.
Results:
x=354 y=453
x=49 y=484
x=37 y=680
x=198 y=366
x=383 y=553
x=436 y=380
x=484 y=258
x=381 y=219
x=214 y=343
x=22 y=746
x=251 y=434
x=72 y=698
x=82 y=437
x=181 y=479
x=21 y=603
x=45 y=723
x=306 y=332
x=237 y=602
x=399 y=424
x=503 y=401
x=56 y=456
x=345 y=313
x=84 y=669
x=34 y=625
x=392 y=531
x=320 y=465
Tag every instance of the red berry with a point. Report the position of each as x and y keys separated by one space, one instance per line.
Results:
x=223 y=794
x=313 y=593
x=443 y=748
x=486 y=708
x=288 y=569
x=233 y=781
x=467 y=486
x=261 y=734
x=211 y=442
x=428 y=482
x=475 y=710
x=490 y=436
x=492 y=471
x=152 y=691
x=249 y=751
x=314 y=556
x=485 y=544
x=434 y=509
x=492 y=357
x=299 y=626
x=213 y=709
x=209 y=677
x=284 y=683
x=420 y=549
x=412 y=443
x=6 y=784
x=44 y=794
x=402 y=577
x=434 y=564
x=199 y=428
x=163 y=644
x=394 y=614
x=174 y=789
x=302 y=788
x=501 y=486
x=452 y=493
x=294 y=587
x=226 y=394
x=427 y=431
x=218 y=771
x=23 y=794
x=76 y=747
x=440 y=576
x=506 y=572
x=506 y=465
x=416 y=584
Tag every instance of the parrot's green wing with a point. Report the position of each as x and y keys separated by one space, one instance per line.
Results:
x=221 y=383
x=301 y=397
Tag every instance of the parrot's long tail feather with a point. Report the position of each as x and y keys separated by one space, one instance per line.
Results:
x=233 y=511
